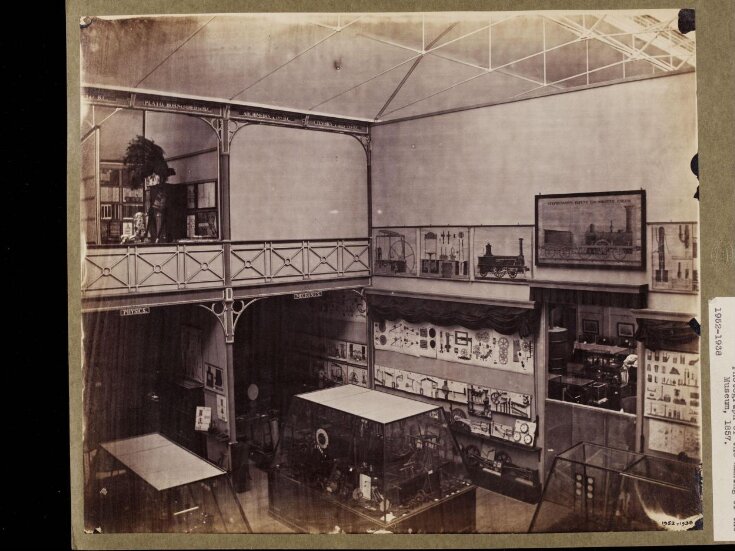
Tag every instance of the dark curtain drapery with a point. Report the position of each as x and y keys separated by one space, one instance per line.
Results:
x=503 y=319
x=593 y=298
x=677 y=336
x=121 y=363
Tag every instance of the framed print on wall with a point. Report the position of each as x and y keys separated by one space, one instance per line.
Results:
x=674 y=262
x=591 y=326
x=214 y=378
x=592 y=230
x=625 y=329
x=503 y=253
x=445 y=252
x=395 y=251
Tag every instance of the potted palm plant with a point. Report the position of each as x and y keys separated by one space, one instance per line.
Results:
x=148 y=167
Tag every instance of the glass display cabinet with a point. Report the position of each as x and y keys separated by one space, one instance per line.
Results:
x=594 y=488
x=356 y=460
x=150 y=484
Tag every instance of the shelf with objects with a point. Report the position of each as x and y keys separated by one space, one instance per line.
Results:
x=593 y=488
x=148 y=483
x=355 y=460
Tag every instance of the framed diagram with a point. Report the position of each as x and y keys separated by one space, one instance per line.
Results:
x=214 y=378
x=591 y=327
x=674 y=262
x=625 y=329
x=395 y=252
x=445 y=252
x=503 y=253
x=592 y=230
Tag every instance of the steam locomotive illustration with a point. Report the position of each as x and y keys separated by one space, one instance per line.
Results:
x=597 y=243
x=393 y=254
x=499 y=265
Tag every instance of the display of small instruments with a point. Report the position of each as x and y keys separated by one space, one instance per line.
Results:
x=482 y=347
x=480 y=401
x=522 y=432
x=672 y=386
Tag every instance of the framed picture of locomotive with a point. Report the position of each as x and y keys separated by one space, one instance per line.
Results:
x=674 y=262
x=395 y=252
x=592 y=230
x=503 y=253
x=445 y=252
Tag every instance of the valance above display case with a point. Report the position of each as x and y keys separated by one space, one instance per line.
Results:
x=506 y=320
x=667 y=334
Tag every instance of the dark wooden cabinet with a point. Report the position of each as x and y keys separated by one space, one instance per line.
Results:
x=178 y=411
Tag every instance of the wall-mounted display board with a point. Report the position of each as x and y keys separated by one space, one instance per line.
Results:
x=481 y=403
x=321 y=372
x=395 y=252
x=672 y=386
x=674 y=262
x=483 y=347
x=674 y=438
x=332 y=349
x=503 y=253
x=445 y=252
x=342 y=306
x=592 y=230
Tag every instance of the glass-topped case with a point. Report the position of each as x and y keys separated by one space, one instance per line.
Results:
x=150 y=484
x=594 y=488
x=355 y=460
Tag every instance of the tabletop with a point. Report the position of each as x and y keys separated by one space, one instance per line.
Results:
x=160 y=462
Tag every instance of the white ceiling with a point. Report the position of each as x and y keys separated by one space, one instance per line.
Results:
x=381 y=66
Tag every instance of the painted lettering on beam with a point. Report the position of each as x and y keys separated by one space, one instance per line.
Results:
x=307 y=294
x=135 y=311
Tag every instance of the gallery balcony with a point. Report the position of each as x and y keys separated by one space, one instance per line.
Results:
x=156 y=274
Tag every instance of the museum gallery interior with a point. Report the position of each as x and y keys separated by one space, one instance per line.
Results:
x=402 y=273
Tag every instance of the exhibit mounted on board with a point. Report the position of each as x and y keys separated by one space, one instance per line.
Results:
x=592 y=230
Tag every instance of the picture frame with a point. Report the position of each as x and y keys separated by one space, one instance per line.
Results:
x=674 y=257
x=192 y=361
x=214 y=378
x=502 y=253
x=604 y=230
x=626 y=330
x=445 y=252
x=590 y=327
x=396 y=252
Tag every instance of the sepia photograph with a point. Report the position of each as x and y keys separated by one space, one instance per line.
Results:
x=389 y=273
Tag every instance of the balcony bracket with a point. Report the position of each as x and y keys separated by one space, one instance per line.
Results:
x=228 y=312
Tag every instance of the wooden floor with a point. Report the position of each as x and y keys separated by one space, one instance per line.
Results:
x=496 y=513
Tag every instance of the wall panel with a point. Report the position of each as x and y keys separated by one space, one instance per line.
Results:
x=297 y=184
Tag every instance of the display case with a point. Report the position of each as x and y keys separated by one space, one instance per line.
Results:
x=357 y=460
x=593 y=488
x=150 y=484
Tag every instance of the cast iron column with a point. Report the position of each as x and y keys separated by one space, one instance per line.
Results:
x=224 y=179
